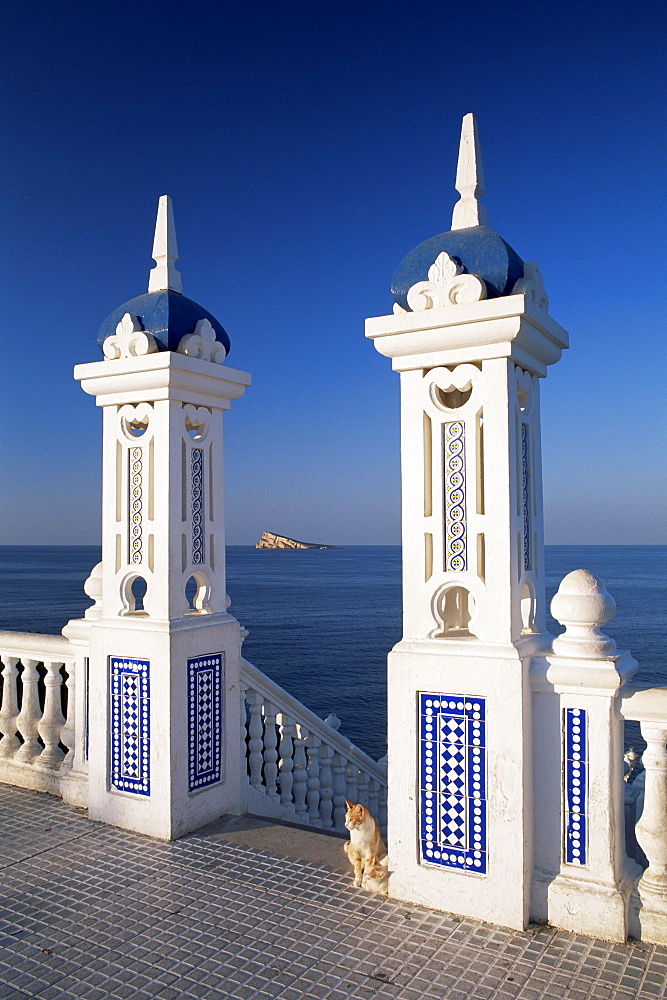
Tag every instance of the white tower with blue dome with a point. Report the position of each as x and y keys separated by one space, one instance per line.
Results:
x=471 y=337
x=162 y=715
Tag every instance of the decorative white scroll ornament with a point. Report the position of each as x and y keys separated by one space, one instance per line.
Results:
x=462 y=377
x=129 y=340
x=202 y=344
x=524 y=388
x=447 y=285
x=532 y=286
x=134 y=420
x=196 y=420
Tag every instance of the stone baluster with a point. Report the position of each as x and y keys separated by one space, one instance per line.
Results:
x=9 y=712
x=270 y=751
x=256 y=737
x=373 y=789
x=67 y=733
x=352 y=777
x=326 y=786
x=362 y=789
x=243 y=749
x=339 y=787
x=651 y=830
x=287 y=735
x=382 y=808
x=313 y=751
x=28 y=717
x=52 y=721
x=382 y=798
x=300 y=774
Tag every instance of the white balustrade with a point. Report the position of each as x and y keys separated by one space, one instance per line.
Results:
x=9 y=712
x=52 y=721
x=339 y=790
x=313 y=796
x=67 y=732
x=255 y=737
x=651 y=829
x=362 y=788
x=286 y=756
x=648 y=706
x=352 y=777
x=270 y=751
x=326 y=787
x=28 y=718
x=300 y=768
x=37 y=712
x=300 y=773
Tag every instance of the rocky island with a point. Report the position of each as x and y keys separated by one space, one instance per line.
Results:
x=271 y=541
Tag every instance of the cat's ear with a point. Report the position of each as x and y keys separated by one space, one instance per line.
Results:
x=350 y=805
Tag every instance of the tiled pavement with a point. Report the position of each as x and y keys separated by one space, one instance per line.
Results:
x=93 y=912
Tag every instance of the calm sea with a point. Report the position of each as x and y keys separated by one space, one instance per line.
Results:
x=321 y=621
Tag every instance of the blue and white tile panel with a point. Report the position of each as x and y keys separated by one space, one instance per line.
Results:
x=205 y=689
x=130 y=725
x=455 y=496
x=452 y=781
x=197 y=500
x=525 y=494
x=575 y=724
x=135 y=458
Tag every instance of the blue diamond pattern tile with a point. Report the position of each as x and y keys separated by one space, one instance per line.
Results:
x=130 y=725
x=205 y=687
x=453 y=781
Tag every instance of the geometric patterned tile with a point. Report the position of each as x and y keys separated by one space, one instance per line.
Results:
x=130 y=725
x=453 y=781
x=205 y=688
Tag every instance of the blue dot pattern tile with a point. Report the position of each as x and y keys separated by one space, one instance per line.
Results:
x=452 y=764
x=130 y=725
x=576 y=785
x=205 y=687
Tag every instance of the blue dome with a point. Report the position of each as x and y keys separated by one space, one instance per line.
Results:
x=479 y=249
x=167 y=315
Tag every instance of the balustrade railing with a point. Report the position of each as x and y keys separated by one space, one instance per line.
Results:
x=299 y=766
x=37 y=717
x=647 y=705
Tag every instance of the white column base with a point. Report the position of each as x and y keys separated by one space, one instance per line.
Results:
x=648 y=919
x=589 y=908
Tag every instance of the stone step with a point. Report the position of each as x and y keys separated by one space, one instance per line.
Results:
x=322 y=847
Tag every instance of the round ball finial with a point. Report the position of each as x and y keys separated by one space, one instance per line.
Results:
x=93 y=588
x=583 y=604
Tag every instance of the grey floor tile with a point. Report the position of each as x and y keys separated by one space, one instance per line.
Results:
x=103 y=913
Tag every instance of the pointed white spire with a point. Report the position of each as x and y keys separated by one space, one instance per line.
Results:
x=469 y=179
x=164 y=275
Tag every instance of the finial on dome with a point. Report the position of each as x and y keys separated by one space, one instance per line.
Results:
x=164 y=276
x=469 y=179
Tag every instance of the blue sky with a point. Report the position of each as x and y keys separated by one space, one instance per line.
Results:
x=307 y=147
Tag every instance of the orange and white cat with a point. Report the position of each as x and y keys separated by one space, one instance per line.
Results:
x=365 y=847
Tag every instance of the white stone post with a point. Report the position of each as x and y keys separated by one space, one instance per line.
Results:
x=582 y=878
x=459 y=701
x=164 y=676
